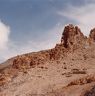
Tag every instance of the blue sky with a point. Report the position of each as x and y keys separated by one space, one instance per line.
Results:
x=32 y=25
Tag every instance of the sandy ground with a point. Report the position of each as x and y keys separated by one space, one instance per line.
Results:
x=53 y=77
x=66 y=70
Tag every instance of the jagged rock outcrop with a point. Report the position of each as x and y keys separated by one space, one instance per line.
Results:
x=62 y=67
x=21 y=62
x=92 y=35
x=27 y=61
x=72 y=36
x=84 y=80
x=90 y=92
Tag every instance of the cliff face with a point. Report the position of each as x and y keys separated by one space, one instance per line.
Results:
x=66 y=70
x=71 y=36
x=92 y=34
x=72 y=39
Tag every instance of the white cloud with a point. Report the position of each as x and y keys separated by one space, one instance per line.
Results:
x=4 y=35
x=83 y=15
x=4 y=39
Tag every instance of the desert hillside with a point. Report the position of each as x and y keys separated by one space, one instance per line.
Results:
x=66 y=70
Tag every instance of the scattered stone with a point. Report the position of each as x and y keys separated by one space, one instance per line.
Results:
x=77 y=71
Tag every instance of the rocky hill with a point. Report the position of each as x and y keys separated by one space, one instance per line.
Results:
x=66 y=70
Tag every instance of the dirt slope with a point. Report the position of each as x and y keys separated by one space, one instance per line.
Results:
x=66 y=70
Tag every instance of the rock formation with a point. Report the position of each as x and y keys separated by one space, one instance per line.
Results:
x=90 y=92
x=71 y=36
x=68 y=69
x=92 y=34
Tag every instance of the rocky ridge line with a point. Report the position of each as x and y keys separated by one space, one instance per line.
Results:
x=72 y=39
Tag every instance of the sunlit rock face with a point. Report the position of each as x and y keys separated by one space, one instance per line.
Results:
x=68 y=69
x=72 y=36
x=92 y=34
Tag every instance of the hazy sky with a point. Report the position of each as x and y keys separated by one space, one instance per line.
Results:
x=32 y=25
